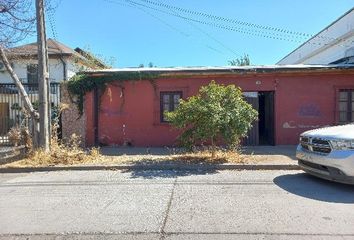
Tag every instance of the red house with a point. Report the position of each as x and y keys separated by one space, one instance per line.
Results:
x=290 y=100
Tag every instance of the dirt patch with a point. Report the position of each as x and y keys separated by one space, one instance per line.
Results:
x=77 y=156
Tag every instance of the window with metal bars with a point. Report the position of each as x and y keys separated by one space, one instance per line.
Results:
x=32 y=77
x=168 y=102
x=346 y=106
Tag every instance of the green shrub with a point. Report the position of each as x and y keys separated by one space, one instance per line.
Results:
x=216 y=113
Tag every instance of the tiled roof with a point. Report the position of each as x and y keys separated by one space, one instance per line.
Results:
x=55 y=48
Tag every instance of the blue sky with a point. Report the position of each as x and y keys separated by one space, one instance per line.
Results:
x=134 y=34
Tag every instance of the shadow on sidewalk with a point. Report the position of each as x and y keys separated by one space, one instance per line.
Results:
x=271 y=151
x=143 y=151
x=288 y=151
x=305 y=185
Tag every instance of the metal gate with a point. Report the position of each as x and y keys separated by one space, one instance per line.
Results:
x=252 y=138
x=11 y=106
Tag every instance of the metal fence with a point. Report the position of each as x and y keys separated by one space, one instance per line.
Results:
x=12 y=107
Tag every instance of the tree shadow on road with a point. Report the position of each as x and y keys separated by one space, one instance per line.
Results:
x=308 y=186
x=173 y=167
x=152 y=174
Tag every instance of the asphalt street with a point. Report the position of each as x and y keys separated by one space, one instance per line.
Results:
x=174 y=205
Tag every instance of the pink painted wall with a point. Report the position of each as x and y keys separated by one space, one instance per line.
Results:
x=130 y=111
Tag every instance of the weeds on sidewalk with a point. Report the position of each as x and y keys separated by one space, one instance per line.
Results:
x=71 y=153
x=61 y=153
x=205 y=156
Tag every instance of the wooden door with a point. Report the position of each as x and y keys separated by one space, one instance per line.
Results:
x=4 y=118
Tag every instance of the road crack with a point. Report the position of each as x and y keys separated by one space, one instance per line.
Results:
x=162 y=229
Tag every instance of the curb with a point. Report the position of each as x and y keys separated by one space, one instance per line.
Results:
x=146 y=167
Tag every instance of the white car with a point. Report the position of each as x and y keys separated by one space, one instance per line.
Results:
x=328 y=153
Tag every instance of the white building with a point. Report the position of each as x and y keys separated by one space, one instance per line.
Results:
x=64 y=62
x=334 y=44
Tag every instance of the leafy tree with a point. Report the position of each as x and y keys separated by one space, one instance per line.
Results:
x=93 y=60
x=216 y=113
x=150 y=65
x=17 y=20
x=242 y=61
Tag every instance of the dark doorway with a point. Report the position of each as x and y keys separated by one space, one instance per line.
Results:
x=266 y=118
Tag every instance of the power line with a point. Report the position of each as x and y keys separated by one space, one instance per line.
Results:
x=219 y=18
x=50 y=9
x=52 y=25
x=285 y=36
x=134 y=5
x=209 y=36
x=221 y=26
x=261 y=31
x=238 y=22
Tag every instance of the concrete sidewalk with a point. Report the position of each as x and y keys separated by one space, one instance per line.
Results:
x=287 y=151
x=269 y=155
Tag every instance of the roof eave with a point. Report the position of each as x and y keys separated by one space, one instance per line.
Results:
x=236 y=70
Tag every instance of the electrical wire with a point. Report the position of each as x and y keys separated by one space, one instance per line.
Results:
x=237 y=22
x=208 y=35
x=219 y=18
x=282 y=34
x=50 y=10
x=132 y=4
x=243 y=28
x=221 y=26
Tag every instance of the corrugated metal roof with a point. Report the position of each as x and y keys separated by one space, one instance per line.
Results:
x=226 y=69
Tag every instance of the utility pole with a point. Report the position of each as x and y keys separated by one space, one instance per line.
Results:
x=43 y=79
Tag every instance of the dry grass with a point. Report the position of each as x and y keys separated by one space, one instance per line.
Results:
x=205 y=157
x=60 y=154
x=70 y=153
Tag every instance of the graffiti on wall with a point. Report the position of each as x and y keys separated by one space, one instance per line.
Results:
x=290 y=124
x=294 y=125
x=309 y=110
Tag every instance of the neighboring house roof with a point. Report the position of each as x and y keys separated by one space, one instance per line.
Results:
x=56 y=49
x=333 y=43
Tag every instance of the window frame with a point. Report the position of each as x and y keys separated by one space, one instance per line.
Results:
x=32 y=85
x=349 y=105
x=35 y=75
x=171 y=95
